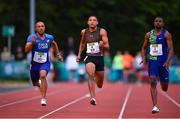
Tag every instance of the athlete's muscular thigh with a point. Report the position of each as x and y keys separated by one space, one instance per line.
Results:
x=99 y=78
x=90 y=69
x=43 y=74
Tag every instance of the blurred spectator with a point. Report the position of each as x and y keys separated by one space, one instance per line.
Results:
x=82 y=73
x=117 y=65
x=69 y=46
x=107 y=64
x=19 y=54
x=175 y=60
x=128 y=66
x=51 y=73
x=138 y=67
x=5 y=54
x=72 y=66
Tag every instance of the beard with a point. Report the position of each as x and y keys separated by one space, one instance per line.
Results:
x=41 y=33
x=158 y=27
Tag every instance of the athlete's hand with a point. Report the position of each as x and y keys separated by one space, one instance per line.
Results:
x=143 y=61
x=166 y=64
x=101 y=44
x=59 y=55
x=78 y=58
x=33 y=40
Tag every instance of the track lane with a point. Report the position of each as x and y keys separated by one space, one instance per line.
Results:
x=109 y=103
x=33 y=109
x=140 y=105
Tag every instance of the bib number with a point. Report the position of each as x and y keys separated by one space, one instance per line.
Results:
x=40 y=57
x=156 y=49
x=93 y=47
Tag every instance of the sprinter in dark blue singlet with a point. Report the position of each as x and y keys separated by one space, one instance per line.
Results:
x=158 y=48
x=39 y=43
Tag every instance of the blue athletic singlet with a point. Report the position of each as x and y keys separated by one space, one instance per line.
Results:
x=157 y=52
x=40 y=56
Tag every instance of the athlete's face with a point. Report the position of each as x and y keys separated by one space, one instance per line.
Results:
x=158 y=23
x=92 y=22
x=40 y=28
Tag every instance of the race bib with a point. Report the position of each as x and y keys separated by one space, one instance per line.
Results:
x=156 y=49
x=93 y=47
x=40 y=57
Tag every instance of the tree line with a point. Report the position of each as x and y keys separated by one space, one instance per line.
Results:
x=126 y=21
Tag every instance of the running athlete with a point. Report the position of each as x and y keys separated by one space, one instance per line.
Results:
x=158 y=47
x=96 y=41
x=39 y=43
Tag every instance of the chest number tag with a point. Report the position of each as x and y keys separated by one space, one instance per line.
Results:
x=93 y=47
x=156 y=49
x=40 y=57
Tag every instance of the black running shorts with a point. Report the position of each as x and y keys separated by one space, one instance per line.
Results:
x=97 y=60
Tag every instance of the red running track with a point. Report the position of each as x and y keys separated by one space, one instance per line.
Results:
x=71 y=100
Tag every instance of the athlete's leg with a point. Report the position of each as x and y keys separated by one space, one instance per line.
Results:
x=164 y=78
x=153 y=75
x=99 y=78
x=43 y=84
x=90 y=69
x=164 y=86
x=153 y=90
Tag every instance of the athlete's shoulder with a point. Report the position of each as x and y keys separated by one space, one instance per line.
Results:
x=83 y=31
x=147 y=35
x=102 y=31
x=30 y=36
x=167 y=34
x=49 y=36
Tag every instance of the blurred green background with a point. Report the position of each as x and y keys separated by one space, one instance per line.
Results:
x=126 y=21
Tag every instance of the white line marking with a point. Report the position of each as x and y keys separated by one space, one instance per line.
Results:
x=125 y=102
x=29 y=99
x=172 y=100
x=66 y=105
x=20 y=101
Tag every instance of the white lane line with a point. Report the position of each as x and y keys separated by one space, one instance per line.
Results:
x=125 y=102
x=66 y=105
x=171 y=99
x=33 y=98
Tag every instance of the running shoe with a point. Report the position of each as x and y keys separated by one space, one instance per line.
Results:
x=43 y=102
x=155 y=110
x=93 y=101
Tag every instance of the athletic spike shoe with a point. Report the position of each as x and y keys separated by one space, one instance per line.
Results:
x=93 y=101
x=155 y=110
x=43 y=102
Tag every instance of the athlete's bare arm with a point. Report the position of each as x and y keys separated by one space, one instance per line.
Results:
x=56 y=49
x=170 y=48
x=145 y=44
x=105 y=43
x=29 y=45
x=81 y=46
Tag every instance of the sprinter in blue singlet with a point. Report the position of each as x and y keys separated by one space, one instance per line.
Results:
x=159 y=49
x=39 y=44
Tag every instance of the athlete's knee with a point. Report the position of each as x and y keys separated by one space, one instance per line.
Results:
x=90 y=74
x=164 y=87
x=153 y=82
x=43 y=76
x=100 y=85
x=99 y=82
